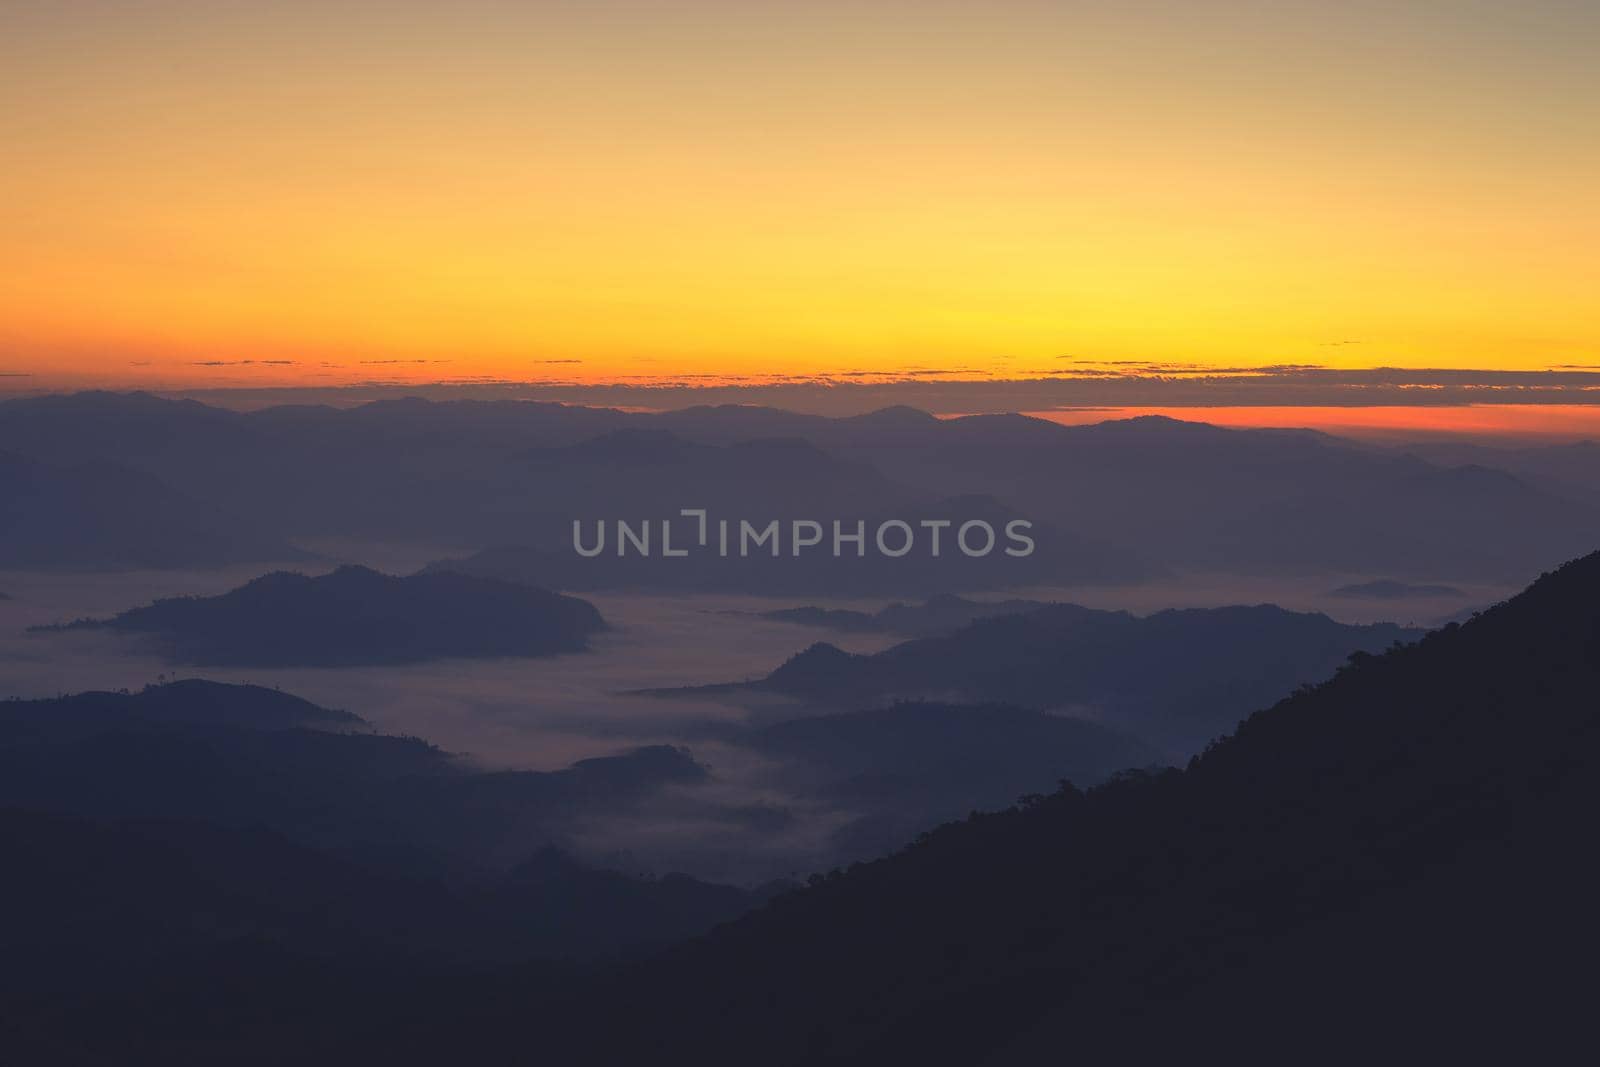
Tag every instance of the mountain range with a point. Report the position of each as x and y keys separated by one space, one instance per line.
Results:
x=1128 y=499
x=1176 y=679
x=103 y=515
x=1387 y=859
x=145 y=829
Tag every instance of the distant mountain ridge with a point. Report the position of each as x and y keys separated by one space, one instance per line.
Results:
x=102 y=515
x=1167 y=494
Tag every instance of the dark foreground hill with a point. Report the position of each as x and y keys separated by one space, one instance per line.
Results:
x=357 y=616
x=1390 y=865
x=1394 y=859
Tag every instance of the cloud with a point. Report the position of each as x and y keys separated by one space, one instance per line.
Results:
x=246 y=363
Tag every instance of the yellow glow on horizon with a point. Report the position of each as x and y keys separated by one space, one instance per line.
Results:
x=334 y=193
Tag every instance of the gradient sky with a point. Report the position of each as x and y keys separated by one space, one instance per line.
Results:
x=342 y=191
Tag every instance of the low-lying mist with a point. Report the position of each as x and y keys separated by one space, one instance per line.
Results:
x=746 y=823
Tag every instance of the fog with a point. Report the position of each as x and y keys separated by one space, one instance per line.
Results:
x=546 y=713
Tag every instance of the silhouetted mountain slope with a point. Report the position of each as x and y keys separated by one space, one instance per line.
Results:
x=103 y=516
x=1176 y=678
x=1411 y=828
x=938 y=614
x=906 y=768
x=1392 y=860
x=358 y=616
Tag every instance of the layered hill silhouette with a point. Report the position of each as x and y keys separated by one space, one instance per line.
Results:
x=1162 y=493
x=173 y=705
x=1391 y=858
x=101 y=515
x=245 y=756
x=146 y=830
x=356 y=616
x=1568 y=469
x=1175 y=679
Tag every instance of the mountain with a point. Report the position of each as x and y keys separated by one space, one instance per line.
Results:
x=1194 y=496
x=1389 y=859
x=358 y=616
x=189 y=702
x=1156 y=492
x=1571 y=469
x=243 y=756
x=938 y=614
x=464 y=473
x=1176 y=679
x=1392 y=859
x=239 y=845
x=105 y=516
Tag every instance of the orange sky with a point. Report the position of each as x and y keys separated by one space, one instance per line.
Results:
x=312 y=193
x=1555 y=422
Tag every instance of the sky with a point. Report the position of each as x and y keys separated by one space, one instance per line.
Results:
x=320 y=193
